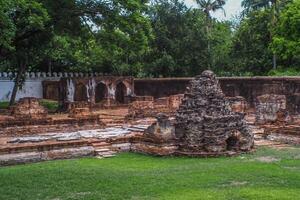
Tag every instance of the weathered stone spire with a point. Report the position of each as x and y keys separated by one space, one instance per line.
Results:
x=205 y=123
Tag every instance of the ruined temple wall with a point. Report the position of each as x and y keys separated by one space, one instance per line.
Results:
x=58 y=86
x=160 y=87
x=33 y=86
x=48 y=85
x=248 y=87
x=85 y=89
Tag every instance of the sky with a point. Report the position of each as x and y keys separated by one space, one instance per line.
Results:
x=232 y=8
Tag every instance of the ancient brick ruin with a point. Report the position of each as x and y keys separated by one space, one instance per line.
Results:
x=205 y=123
x=105 y=91
x=29 y=108
x=29 y=117
x=103 y=115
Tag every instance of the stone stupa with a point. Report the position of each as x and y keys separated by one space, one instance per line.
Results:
x=206 y=125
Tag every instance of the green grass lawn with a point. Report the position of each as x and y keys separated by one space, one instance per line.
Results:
x=265 y=174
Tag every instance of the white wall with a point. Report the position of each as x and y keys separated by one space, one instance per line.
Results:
x=31 y=88
x=33 y=85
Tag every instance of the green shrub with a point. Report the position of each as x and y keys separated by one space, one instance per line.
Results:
x=284 y=72
x=52 y=106
x=4 y=105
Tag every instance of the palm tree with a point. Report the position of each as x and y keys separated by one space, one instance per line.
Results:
x=208 y=6
x=250 y=5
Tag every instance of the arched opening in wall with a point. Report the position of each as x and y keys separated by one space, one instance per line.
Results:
x=232 y=143
x=80 y=93
x=120 y=92
x=101 y=92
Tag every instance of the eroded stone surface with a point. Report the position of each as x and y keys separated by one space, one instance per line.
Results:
x=162 y=130
x=238 y=104
x=205 y=122
x=267 y=106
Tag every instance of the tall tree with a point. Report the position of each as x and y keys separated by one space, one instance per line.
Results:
x=286 y=40
x=25 y=30
x=105 y=36
x=208 y=6
x=274 y=6
x=178 y=48
x=250 y=49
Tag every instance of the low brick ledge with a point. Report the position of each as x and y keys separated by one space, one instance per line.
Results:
x=41 y=146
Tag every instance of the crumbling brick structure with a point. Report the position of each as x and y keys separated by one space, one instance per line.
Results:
x=269 y=107
x=29 y=107
x=205 y=123
x=103 y=90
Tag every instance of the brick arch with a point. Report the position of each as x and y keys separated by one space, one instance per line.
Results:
x=120 y=92
x=80 y=92
x=101 y=92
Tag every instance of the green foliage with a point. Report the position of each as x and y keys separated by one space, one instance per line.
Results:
x=250 y=50
x=180 y=44
x=158 y=39
x=266 y=174
x=221 y=43
x=286 y=40
x=4 y=105
x=23 y=27
x=284 y=72
x=7 y=27
x=52 y=106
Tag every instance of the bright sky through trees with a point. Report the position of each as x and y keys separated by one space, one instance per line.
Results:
x=232 y=8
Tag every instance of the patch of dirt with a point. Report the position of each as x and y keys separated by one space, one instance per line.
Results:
x=267 y=159
x=297 y=157
x=235 y=184
x=79 y=195
x=238 y=183
x=292 y=168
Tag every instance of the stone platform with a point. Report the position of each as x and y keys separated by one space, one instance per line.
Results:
x=62 y=145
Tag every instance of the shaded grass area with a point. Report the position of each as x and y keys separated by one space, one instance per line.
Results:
x=52 y=106
x=266 y=174
x=4 y=105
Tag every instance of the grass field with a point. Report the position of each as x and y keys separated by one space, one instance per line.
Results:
x=265 y=174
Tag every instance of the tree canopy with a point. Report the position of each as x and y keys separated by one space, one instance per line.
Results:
x=157 y=38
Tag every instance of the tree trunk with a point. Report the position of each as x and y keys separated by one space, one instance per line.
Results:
x=49 y=65
x=208 y=42
x=18 y=83
x=275 y=12
x=274 y=61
